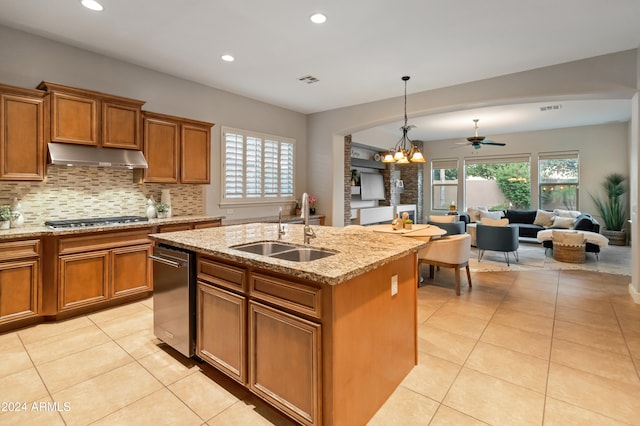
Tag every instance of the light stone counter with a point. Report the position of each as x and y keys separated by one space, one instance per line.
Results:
x=359 y=250
x=40 y=231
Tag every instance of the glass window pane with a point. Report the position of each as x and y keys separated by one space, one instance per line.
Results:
x=498 y=185
x=558 y=181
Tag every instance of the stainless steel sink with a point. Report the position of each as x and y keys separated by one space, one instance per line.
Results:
x=284 y=251
x=265 y=248
x=303 y=254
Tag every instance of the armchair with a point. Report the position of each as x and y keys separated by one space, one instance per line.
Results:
x=448 y=252
x=497 y=238
x=452 y=228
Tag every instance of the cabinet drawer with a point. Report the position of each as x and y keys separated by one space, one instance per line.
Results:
x=221 y=274
x=287 y=294
x=102 y=241
x=16 y=250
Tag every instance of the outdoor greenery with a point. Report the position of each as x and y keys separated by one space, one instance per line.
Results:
x=513 y=179
x=612 y=208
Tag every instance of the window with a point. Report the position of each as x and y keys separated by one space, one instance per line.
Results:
x=256 y=167
x=558 y=180
x=498 y=183
x=444 y=184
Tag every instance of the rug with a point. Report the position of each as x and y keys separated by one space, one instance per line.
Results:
x=532 y=256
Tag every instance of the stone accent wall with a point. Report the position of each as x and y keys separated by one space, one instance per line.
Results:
x=83 y=192
x=412 y=176
x=347 y=180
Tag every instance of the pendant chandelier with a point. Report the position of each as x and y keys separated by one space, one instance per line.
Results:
x=404 y=151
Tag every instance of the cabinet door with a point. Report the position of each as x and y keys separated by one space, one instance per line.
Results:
x=284 y=362
x=221 y=325
x=22 y=154
x=195 y=155
x=131 y=270
x=74 y=119
x=161 y=146
x=83 y=279
x=18 y=289
x=121 y=126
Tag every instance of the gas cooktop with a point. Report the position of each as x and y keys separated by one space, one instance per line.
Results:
x=96 y=221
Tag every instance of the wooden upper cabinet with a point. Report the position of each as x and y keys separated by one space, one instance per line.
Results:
x=22 y=153
x=178 y=150
x=87 y=117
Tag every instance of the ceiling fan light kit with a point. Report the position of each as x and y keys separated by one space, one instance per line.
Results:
x=477 y=141
x=404 y=151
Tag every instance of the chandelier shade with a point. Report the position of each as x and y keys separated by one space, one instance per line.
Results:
x=404 y=151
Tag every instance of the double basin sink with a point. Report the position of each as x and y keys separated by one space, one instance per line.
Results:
x=284 y=251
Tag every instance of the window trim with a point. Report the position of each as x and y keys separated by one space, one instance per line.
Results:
x=261 y=200
x=444 y=164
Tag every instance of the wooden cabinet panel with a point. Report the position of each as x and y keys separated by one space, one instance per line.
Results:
x=18 y=289
x=74 y=119
x=161 y=145
x=121 y=126
x=227 y=276
x=131 y=268
x=285 y=359
x=84 y=279
x=221 y=330
x=293 y=296
x=195 y=155
x=175 y=227
x=212 y=224
x=22 y=153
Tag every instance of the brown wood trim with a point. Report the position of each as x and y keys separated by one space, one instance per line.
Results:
x=16 y=250
x=102 y=240
x=288 y=294
x=224 y=275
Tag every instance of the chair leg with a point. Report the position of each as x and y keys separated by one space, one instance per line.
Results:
x=516 y=255
x=506 y=257
x=457 y=281
x=431 y=271
x=469 y=276
x=480 y=254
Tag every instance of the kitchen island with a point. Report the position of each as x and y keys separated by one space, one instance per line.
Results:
x=325 y=341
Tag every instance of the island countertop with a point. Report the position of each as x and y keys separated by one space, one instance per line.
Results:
x=359 y=250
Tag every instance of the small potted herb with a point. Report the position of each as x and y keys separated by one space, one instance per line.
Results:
x=162 y=209
x=5 y=217
x=408 y=223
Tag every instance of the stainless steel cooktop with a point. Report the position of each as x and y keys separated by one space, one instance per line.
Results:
x=96 y=221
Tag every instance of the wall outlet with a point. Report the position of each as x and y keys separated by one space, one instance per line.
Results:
x=229 y=211
x=394 y=285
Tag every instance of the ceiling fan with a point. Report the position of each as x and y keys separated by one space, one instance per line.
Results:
x=477 y=141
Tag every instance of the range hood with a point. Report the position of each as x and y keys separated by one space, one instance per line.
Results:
x=80 y=155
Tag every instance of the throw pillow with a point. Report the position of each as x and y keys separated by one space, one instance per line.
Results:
x=495 y=222
x=544 y=218
x=474 y=213
x=563 y=222
x=566 y=213
x=442 y=218
x=490 y=215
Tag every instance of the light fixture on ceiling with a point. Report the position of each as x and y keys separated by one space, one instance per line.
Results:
x=404 y=151
x=318 y=18
x=92 y=4
x=227 y=58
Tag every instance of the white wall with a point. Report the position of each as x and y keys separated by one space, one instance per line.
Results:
x=602 y=149
x=26 y=60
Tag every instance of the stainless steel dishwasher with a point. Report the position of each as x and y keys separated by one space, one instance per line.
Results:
x=174 y=298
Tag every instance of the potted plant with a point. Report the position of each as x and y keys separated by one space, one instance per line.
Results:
x=5 y=217
x=612 y=209
x=162 y=209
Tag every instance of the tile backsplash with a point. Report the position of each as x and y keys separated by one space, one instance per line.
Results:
x=82 y=192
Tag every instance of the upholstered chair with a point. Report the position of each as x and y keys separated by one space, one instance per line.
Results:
x=452 y=228
x=447 y=252
x=497 y=238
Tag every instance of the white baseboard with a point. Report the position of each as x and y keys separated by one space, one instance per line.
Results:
x=634 y=294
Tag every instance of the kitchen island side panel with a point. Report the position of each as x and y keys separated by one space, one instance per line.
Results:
x=371 y=344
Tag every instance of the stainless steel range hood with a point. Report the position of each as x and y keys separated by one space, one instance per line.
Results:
x=79 y=155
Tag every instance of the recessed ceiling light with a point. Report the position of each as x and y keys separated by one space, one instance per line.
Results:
x=92 y=4
x=318 y=18
x=228 y=58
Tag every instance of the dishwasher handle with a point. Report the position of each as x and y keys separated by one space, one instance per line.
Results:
x=166 y=261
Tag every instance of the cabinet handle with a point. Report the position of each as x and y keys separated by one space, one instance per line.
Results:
x=167 y=261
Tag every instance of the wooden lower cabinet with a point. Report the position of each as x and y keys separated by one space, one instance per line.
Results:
x=221 y=329
x=19 y=280
x=285 y=358
x=131 y=270
x=84 y=279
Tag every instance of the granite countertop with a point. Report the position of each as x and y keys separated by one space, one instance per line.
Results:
x=39 y=231
x=359 y=250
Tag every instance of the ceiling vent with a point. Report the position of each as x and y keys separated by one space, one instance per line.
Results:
x=309 y=79
x=550 y=107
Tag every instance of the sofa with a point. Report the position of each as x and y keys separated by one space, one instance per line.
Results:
x=528 y=226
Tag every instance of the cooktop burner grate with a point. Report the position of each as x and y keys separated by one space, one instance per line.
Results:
x=96 y=221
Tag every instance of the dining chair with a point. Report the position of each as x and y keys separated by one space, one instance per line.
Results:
x=447 y=252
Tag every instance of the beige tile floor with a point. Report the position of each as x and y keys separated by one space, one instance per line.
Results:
x=523 y=347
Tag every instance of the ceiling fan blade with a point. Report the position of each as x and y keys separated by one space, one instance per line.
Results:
x=493 y=143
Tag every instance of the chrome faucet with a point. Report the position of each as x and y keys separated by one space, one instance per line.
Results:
x=308 y=232
x=281 y=231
